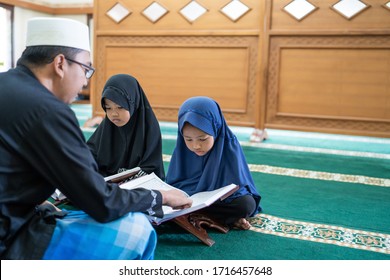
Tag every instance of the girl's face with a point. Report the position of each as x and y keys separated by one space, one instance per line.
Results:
x=115 y=113
x=196 y=140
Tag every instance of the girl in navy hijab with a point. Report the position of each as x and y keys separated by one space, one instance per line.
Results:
x=208 y=156
x=129 y=136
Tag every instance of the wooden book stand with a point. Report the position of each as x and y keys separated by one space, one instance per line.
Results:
x=194 y=223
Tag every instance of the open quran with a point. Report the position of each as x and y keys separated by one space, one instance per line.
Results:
x=191 y=219
x=153 y=182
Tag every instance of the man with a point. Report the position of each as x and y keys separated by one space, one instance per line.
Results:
x=42 y=148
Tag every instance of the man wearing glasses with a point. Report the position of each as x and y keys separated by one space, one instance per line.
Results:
x=42 y=148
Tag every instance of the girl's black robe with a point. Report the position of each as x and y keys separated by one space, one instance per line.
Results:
x=138 y=143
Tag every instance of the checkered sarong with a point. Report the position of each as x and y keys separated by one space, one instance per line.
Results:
x=77 y=236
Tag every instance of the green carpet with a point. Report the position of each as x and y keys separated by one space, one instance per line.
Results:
x=315 y=206
x=175 y=244
x=325 y=197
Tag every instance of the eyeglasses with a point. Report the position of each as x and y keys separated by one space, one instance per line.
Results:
x=89 y=70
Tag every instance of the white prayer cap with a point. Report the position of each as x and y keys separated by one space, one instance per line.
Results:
x=44 y=31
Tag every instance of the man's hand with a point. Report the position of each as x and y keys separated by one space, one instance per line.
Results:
x=176 y=199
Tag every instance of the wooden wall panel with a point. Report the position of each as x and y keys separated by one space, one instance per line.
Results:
x=171 y=72
x=213 y=20
x=347 y=83
x=330 y=84
x=189 y=70
x=325 y=19
x=174 y=59
x=323 y=72
x=328 y=73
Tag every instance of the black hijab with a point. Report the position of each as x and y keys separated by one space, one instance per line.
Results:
x=138 y=143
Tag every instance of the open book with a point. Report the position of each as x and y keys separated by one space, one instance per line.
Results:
x=124 y=176
x=199 y=200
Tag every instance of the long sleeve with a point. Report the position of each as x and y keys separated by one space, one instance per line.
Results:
x=57 y=150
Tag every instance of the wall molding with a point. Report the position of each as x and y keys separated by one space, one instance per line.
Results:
x=51 y=9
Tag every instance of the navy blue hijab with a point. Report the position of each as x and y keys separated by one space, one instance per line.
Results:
x=224 y=164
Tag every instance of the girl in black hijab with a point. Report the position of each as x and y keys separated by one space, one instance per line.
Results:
x=129 y=136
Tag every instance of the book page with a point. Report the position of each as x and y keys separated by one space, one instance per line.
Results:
x=210 y=197
x=150 y=182
x=129 y=172
x=199 y=200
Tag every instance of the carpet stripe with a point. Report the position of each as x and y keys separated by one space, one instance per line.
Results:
x=317 y=175
x=88 y=129
x=327 y=176
x=336 y=235
x=322 y=136
x=316 y=150
x=83 y=118
x=303 y=149
x=168 y=137
x=299 y=134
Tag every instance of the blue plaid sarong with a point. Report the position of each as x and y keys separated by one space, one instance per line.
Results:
x=77 y=236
